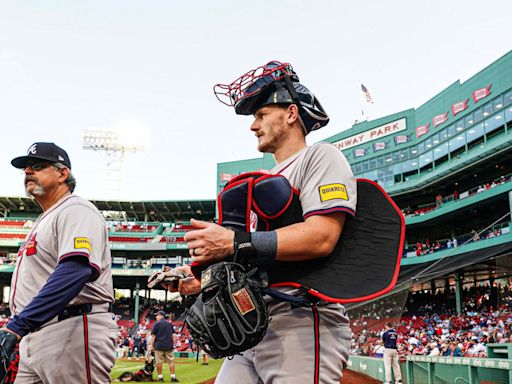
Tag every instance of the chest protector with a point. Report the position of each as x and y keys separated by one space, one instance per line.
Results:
x=366 y=260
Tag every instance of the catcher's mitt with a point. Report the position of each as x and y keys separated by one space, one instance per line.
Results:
x=9 y=357
x=230 y=315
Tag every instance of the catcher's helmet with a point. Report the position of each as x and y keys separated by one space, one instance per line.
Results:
x=273 y=83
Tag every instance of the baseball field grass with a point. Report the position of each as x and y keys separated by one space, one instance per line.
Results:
x=188 y=371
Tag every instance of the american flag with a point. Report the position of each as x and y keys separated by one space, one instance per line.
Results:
x=366 y=94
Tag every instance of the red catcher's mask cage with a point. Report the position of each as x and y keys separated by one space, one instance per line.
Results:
x=253 y=82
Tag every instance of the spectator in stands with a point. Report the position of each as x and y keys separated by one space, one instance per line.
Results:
x=378 y=349
x=413 y=341
x=453 y=350
x=476 y=348
x=418 y=249
x=434 y=349
x=439 y=200
x=163 y=345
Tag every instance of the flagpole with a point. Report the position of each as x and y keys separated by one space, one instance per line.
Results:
x=361 y=102
x=368 y=98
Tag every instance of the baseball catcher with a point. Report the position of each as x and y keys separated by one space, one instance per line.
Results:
x=297 y=228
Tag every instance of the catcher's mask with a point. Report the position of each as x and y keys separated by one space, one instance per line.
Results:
x=272 y=83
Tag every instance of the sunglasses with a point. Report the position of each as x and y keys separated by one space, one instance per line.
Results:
x=38 y=166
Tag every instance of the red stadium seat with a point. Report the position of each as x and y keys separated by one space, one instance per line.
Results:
x=12 y=223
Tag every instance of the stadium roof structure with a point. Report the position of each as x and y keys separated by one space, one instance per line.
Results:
x=165 y=211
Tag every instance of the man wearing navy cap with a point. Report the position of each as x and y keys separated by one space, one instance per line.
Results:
x=390 y=338
x=61 y=288
x=163 y=344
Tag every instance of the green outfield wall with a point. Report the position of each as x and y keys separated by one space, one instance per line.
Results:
x=445 y=370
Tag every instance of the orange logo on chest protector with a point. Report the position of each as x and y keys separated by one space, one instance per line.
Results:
x=29 y=246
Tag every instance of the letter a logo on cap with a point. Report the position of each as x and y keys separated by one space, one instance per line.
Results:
x=33 y=149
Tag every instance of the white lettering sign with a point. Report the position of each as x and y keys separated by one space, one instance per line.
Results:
x=372 y=134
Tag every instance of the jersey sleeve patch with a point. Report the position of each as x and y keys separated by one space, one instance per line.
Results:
x=333 y=191
x=83 y=243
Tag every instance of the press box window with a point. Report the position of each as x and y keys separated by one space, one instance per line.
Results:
x=475 y=132
x=459 y=126
x=497 y=103
x=469 y=120
x=487 y=110
x=478 y=115
x=443 y=135
x=494 y=122
x=507 y=99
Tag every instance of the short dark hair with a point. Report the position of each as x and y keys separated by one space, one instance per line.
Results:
x=389 y=325
x=161 y=313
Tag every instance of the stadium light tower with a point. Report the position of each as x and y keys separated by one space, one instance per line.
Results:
x=115 y=144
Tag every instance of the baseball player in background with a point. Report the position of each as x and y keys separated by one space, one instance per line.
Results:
x=61 y=289
x=303 y=344
x=390 y=338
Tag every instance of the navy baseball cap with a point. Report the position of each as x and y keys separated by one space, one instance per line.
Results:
x=42 y=151
x=162 y=313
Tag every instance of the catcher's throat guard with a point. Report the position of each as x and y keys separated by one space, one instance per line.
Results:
x=366 y=260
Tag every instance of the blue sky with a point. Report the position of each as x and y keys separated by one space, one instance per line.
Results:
x=66 y=66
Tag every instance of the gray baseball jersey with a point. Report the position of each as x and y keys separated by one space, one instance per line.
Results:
x=323 y=177
x=84 y=344
x=72 y=226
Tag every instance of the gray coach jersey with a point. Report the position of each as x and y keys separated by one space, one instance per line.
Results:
x=73 y=226
x=323 y=177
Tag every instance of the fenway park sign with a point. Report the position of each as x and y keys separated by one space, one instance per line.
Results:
x=372 y=134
